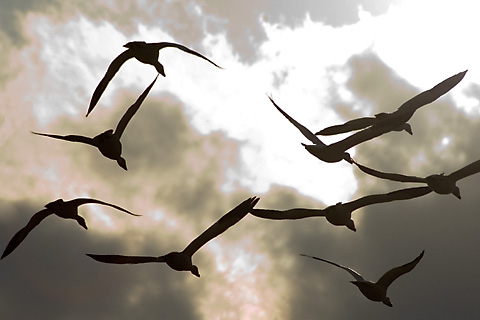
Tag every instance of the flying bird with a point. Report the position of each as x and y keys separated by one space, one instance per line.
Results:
x=318 y=149
x=376 y=291
x=334 y=152
x=340 y=214
x=397 y=120
x=439 y=183
x=63 y=209
x=182 y=261
x=108 y=142
x=144 y=52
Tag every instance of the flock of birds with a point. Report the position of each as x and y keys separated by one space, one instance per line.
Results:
x=340 y=214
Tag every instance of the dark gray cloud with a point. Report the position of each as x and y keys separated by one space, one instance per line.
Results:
x=48 y=276
x=172 y=167
x=13 y=11
x=388 y=234
x=163 y=153
x=123 y=14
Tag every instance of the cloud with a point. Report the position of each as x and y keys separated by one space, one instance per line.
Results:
x=205 y=139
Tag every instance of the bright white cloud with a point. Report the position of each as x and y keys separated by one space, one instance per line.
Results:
x=424 y=41
x=234 y=101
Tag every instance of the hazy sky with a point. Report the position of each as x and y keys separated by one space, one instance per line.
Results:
x=205 y=139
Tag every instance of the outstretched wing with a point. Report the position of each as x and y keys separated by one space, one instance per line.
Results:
x=71 y=137
x=389 y=176
x=431 y=95
x=394 y=273
x=22 y=234
x=291 y=214
x=118 y=259
x=225 y=222
x=122 y=124
x=161 y=45
x=466 y=171
x=402 y=194
x=79 y=201
x=352 y=125
x=359 y=137
x=355 y=274
x=111 y=71
x=307 y=133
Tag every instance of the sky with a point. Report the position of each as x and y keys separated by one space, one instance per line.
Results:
x=205 y=139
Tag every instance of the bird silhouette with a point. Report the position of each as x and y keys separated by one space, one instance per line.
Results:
x=334 y=152
x=108 y=142
x=318 y=149
x=63 y=209
x=340 y=214
x=144 y=52
x=182 y=261
x=376 y=291
x=397 y=120
x=439 y=183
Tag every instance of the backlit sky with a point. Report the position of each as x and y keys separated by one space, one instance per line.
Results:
x=205 y=139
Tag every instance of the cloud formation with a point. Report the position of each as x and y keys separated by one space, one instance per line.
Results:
x=205 y=139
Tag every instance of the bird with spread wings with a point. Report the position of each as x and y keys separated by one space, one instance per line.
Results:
x=108 y=142
x=61 y=208
x=182 y=261
x=144 y=52
x=376 y=291
x=397 y=120
x=439 y=183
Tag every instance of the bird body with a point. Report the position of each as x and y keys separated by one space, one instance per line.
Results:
x=182 y=261
x=327 y=154
x=442 y=184
x=108 y=144
x=146 y=53
x=372 y=291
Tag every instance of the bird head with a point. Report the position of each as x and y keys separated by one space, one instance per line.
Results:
x=386 y=301
x=122 y=163
x=81 y=221
x=54 y=204
x=134 y=44
x=194 y=270
x=351 y=225
x=407 y=127
x=456 y=192
x=346 y=157
x=160 y=69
